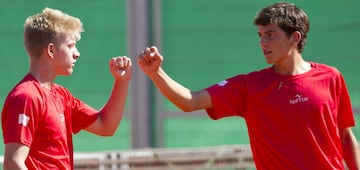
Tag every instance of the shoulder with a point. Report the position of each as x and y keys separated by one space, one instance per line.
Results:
x=60 y=88
x=254 y=76
x=324 y=71
x=23 y=98
x=26 y=93
x=26 y=88
x=260 y=75
x=325 y=68
x=261 y=72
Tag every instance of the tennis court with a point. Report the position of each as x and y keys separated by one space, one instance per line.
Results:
x=196 y=27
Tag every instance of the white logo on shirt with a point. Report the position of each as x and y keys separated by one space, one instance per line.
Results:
x=23 y=119
x=62 y=117
x=223 y=83
x=298 y=99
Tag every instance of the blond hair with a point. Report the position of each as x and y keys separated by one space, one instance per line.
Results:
x=50 y=26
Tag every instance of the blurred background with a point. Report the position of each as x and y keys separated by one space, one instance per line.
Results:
x=203 y=42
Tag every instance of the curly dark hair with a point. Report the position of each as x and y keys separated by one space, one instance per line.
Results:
x=288 y=17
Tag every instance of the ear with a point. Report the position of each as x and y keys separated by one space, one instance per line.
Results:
x=296 y=37
x=50 y=50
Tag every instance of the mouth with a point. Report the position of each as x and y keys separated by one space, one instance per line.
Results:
x=266 y=52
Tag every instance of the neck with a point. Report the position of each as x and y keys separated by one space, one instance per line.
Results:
x=42 y=75
x=293 y=66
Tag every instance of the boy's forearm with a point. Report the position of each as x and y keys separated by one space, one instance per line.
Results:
x=351 y=151
x=113 y=110
x=175 y=92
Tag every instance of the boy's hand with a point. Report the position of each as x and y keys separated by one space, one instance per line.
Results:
x=150 y=60
x=120 y=67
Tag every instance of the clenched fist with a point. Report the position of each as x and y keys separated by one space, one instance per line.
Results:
x=120 y=67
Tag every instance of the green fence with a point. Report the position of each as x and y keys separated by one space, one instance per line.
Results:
x=204 y=42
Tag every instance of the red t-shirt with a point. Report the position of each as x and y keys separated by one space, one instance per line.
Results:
x=293 y=121
x=44 y=120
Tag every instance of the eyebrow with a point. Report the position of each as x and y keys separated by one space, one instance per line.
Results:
x=267 y=32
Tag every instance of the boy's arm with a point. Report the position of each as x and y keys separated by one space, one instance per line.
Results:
x=351 y=150
x=150 y=63
x=14 y=156
x=112 y=112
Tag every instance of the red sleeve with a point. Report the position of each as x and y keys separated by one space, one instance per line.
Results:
x=346 y=116
x=79 y=113
x=228 y=98
x=82 y=115
x=20 y=117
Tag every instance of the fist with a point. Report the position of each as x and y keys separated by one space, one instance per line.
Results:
x=150 y=60
x=120 y=67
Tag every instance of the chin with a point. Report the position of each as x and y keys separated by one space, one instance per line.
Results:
x=67 y=73
x=270 y=62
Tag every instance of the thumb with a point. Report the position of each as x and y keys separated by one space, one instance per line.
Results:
x=154 y=53
x=153 y=49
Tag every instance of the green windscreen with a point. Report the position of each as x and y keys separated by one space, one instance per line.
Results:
x=204 y=42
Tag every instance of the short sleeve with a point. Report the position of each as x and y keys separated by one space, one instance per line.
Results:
x=345 y=113
x=78 y=112
x=228 y=98
x=20 y=117
x=82 y=115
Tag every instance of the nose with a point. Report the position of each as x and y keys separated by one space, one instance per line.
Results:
x=263 y=41
x=76 y=53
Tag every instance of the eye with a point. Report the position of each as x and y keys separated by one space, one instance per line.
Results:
x=273 y=34
x=71 y=45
